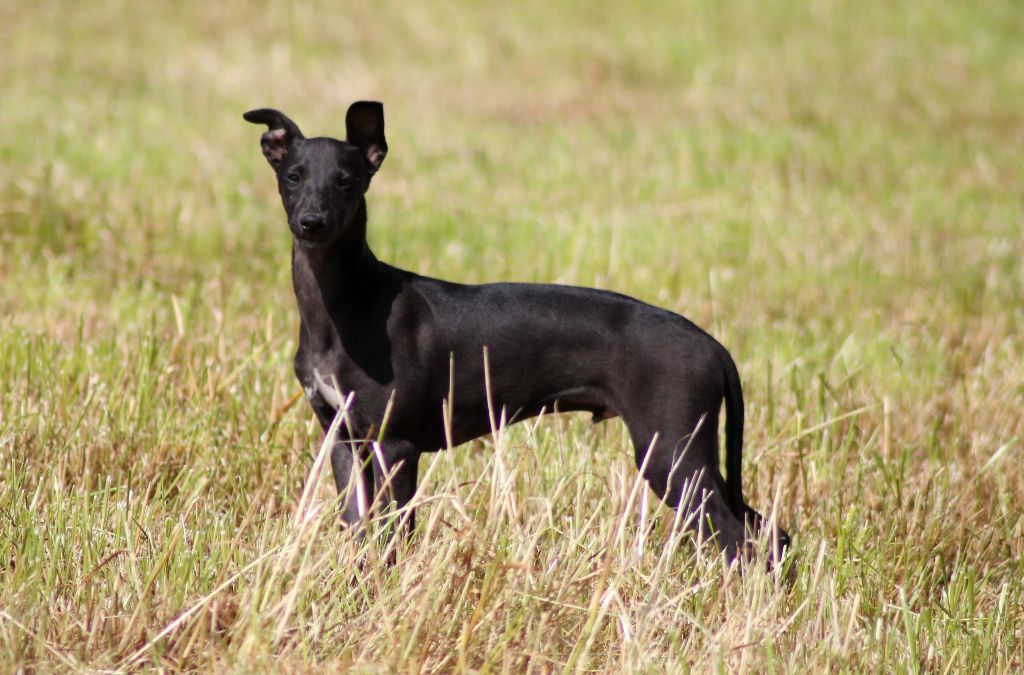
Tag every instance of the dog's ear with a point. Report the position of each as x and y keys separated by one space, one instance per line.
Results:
x=281 y=136
x=364 y=126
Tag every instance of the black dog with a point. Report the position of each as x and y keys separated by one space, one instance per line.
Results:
x=386 y=335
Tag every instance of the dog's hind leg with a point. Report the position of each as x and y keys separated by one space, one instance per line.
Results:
x=683 y=471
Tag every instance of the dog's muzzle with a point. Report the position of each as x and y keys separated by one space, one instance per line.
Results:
x=313 y=224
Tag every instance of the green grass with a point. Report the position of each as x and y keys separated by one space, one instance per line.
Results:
x=834 y=189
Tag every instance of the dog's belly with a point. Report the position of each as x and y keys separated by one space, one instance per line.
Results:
x=473 y=416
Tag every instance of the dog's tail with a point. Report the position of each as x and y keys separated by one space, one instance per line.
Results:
x=733 y=434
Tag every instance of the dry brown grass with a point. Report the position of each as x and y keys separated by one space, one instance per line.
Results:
x=833 y=190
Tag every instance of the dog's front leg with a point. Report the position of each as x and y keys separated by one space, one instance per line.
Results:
x=395 y=469
x=353 y=477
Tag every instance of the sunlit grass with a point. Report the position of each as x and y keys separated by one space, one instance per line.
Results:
x=834 y=190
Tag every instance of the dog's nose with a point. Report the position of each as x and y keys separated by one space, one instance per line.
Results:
x=313 y=222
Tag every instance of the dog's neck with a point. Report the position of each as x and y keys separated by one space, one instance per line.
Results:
x=332 y=277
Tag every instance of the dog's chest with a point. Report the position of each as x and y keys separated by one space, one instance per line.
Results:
x=330 y=382
x=319 y=381
x=306 y=367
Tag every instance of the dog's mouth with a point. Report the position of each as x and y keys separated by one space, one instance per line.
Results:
x=308 y=238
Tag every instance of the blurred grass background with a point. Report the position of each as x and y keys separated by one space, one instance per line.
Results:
x=833 y=189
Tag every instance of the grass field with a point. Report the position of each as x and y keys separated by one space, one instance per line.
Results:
x=834 y=189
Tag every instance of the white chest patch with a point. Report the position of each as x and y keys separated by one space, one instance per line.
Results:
x=327 y=390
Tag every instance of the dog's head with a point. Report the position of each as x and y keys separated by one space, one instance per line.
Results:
x=322 y=180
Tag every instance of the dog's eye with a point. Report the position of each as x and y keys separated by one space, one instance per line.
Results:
x=346 y=183
x=292 y=178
